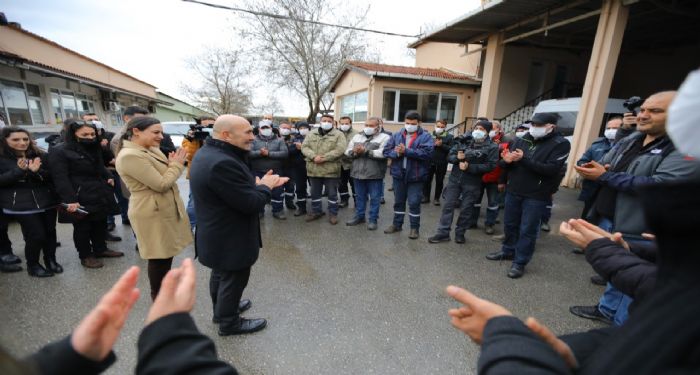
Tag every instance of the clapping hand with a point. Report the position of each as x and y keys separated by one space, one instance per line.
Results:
x=359 y=149
x=581 y=233
x=400 y=149
x=271 y=180
x=518 y=154
x=178 y=156
x=264 y=152
x=34 y=165
x=591 y=170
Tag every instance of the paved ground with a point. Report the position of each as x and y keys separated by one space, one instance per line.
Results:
x=338 y=299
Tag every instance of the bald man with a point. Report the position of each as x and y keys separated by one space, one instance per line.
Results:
x=647 y=157
x=227 y=200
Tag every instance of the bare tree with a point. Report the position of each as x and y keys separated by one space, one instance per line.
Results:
x=222 y=88
x=301 y=56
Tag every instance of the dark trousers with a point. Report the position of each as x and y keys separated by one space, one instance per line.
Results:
x=547 y=214
x=331 y=185
x=300 y=184
x=5 y=243
x=226 y=289
x=521 y=225
x=89 y=237
x=276 y=200
x=288 y=188
x=157 y=269
x=345 y=180
x=121 y=201
x=438 y=171
x=492 y=196
x=410 y=192
x=453 y=192
x=39 y=232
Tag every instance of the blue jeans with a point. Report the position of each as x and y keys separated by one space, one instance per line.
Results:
x=547 y=214
x=190 y=211
x=411 y=192
x=363 y=189
x=521 y=224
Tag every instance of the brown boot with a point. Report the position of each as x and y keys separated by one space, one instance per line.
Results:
x=91 y=262
x=333 y=220
x=314 y=216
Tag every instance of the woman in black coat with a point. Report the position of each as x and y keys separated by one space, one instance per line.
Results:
x=84 y=184
x=27 y=195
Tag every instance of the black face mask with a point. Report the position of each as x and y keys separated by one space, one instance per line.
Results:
x=87 y=141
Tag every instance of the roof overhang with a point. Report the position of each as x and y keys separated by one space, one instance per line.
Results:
x=414 y=77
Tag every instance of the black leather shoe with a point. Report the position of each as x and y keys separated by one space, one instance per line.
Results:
x=355 y=221
x=112 y=238
x=499 y=255
x=37 y=270
x=413 y=234
x=516 y=271
x=597 y=280
x=439 y=238
x=589 y=312
x=9 y=268
x=243 y=326
x=110 y=227
x=53 y=266
x=10 y=259
x=459 y=238
x=244 y=305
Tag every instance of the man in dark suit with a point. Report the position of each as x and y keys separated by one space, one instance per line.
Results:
x=228 y=198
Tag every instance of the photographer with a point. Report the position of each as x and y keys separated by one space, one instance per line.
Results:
x=471 y=157
x=192 y=143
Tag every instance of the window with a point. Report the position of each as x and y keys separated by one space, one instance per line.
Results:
x=65 y=105
x=14 y=98
x=431 y=105
x=34 y=94
x=84 y=105
x=354 y=106
x=70 y=109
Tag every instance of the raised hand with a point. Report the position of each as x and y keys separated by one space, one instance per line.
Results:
x=34 y=165
x=178 y=156
x=591 y=170
x=476 y=312
x=22 y=163
x=96 y=334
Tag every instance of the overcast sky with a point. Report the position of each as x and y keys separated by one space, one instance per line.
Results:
x=150 y=39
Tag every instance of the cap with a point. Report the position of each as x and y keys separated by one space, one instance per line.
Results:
x=486 y=124
x=524 y=125
x=300 y=124
x=544 y=118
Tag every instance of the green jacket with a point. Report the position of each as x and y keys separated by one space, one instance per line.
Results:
x=330 y=145
x=346 y=161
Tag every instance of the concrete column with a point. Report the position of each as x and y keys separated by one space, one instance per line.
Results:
x=492 y=76
x=596 y=89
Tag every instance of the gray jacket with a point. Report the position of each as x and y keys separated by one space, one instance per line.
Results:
x=277 y=153
x=371 y=165
x=661 y=163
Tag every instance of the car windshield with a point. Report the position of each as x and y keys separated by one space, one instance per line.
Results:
x=176 y=128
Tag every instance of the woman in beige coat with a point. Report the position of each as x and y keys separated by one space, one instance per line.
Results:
x=156 y=211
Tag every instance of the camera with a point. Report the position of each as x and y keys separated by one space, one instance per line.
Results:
x=197 y=133
x=633 y=103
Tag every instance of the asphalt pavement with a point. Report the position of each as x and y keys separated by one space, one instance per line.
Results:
x=338 y=299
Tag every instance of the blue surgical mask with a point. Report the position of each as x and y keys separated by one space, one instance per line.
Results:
x=479 y=134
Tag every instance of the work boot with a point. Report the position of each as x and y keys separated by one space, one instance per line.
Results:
x=459 y=238
x=333 y=219
x=437 y=238
x=52 y=265
x=37 y=270
x=301 y=211
x=314 y=216
x=91 y=262
x=355 y=221
x=413 y=234
x=489 y=230
x=392 y=229
x=279 y=215
x=545 y=227
x=372 y=226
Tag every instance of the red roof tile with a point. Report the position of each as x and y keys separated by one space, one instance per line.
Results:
x=439 y=74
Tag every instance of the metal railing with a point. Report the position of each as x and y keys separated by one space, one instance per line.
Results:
x=524 y=112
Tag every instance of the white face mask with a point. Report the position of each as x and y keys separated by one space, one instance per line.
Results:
x=285 y=131
x=326 y=126
x=539 y=131
x=521 y=134
x=683 y=117
x=345 y=127
x=304 y=131
x=439 y=130
x=266 y=132
x=369 y=131
x=493 y=133
x=479 y=135
x=411 y=128
x=610 y=134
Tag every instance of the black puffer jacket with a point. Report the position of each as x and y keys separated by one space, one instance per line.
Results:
x=79 y=175
x=24 y=190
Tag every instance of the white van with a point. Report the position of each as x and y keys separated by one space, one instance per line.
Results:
x=567 y=109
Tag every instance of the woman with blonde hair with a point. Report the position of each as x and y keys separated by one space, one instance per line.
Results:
x=157 y=213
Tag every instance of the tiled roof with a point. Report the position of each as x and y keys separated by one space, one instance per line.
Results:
x=421 y=73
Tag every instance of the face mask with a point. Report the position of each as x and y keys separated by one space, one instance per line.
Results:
x=479 y=134
x=411 y=128
x=493 y=133
x=265 y=122
x=266 y=132
x=304 y=132
x=326 y=126
x=539 y=131
x=345 y=127
x=98 y=124
x=87 y=141
x=369 y=131
x=285 y=131
x=439 y=130
x=683 y=119
x=610 y=133
x=521 y=134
